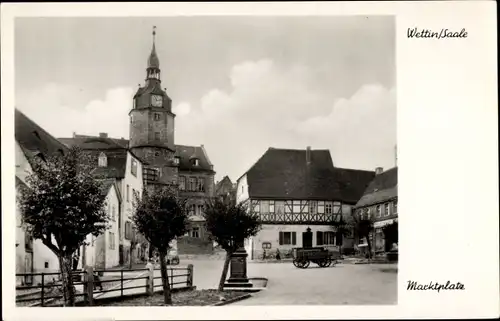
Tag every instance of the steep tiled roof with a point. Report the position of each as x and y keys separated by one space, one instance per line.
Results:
x=113 y=149
x=382 y=188
x=187 y=153
x=226 y=181
x=285 y=174
x=117 y=148
x=33 y=139
x=107 y=184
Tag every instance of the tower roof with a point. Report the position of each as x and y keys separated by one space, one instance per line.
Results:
x=153 y=61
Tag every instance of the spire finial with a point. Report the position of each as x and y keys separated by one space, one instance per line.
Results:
x=154 y=33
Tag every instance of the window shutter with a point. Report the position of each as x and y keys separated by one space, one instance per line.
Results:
x=294 y=238
x=319 y=238
x=281 y=238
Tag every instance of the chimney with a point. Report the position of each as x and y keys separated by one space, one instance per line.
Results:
x=378 y=170
x=103 y=135
x=308 y=154
x=74 y=134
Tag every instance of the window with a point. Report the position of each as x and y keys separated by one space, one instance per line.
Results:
x=46 y=265
x=157 y=135
x=325 y=238
x=200 y=209
x=128 y=193
x=313 y=207
x=201 y=184
x=360 y=215
x=195 y=232
x=128 y=230
x=264 y=206
x=133 y=167
x=113 y=213
x=379 y=211
x=328 y=208
x=287 y=238
x=192 y=184
x=279 y=207
x=157 y=116
x=368 y=213
x=296 y=207
x=271 y=206
x=157 y=154
x=191 y=209
x=196 y=162
x=321 y=207
x=182 y=183
x=103 y=160
x=395 y=206
x=386 y=209
x=111 y=240
x=177 y=160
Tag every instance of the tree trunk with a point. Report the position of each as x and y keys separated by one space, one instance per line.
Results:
x=130 y=260
x=224 y=271
x=369 y=246
x=67 y=280
x=167 y=297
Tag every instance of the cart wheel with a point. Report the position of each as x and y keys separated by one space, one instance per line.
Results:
x=296 y=263
x=303 y=264
x=322 y=263
x=328 y=262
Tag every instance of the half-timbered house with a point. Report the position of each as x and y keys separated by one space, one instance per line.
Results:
x=298 y=195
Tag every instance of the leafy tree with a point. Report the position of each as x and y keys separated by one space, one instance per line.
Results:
x=390 y=235
x=362 y=228
x=62 y=204
x=229 y=225
x=161 y=217
x=344 y=229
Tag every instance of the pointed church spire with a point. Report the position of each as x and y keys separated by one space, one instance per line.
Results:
x=153 y=61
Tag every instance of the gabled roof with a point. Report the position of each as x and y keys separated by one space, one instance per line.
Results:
x=95 y=142
x=382 y=188
x=116 y=150
x=226 y=181
x=107 y=184
x=113 y=149
x=34 y=140
x=187 y=153
x=285 y=174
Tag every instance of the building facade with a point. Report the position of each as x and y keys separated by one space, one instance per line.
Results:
x=379 y=204
x=111 y=159
x=299 y=196
x=226 y=189
x=150 y=159
x=32 y=142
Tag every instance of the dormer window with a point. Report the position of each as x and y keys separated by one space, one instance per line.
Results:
x=195 y=162
x=103 y=160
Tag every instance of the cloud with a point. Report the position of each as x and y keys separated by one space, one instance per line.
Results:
x=360 y=130
x=265 y=106
x=268 y=106
x=53 y=108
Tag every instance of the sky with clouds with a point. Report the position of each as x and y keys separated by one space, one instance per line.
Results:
x=239 y=85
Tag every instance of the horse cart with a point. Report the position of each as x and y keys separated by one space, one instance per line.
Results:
x=302 y=257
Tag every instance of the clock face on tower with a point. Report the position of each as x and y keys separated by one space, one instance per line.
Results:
x=156 y=100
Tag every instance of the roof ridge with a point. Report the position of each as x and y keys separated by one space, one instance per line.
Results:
x=38 y=127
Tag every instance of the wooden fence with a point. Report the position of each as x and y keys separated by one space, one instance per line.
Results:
x=91 y=285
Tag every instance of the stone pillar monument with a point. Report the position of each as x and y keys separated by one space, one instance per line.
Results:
x=238 y=270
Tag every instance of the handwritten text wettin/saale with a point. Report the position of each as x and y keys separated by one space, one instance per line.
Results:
x=434 y=286
x=441 y=34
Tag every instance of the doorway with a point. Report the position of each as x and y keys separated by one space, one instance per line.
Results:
x=307 y=238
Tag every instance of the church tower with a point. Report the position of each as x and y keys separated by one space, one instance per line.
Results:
x=152 y=126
